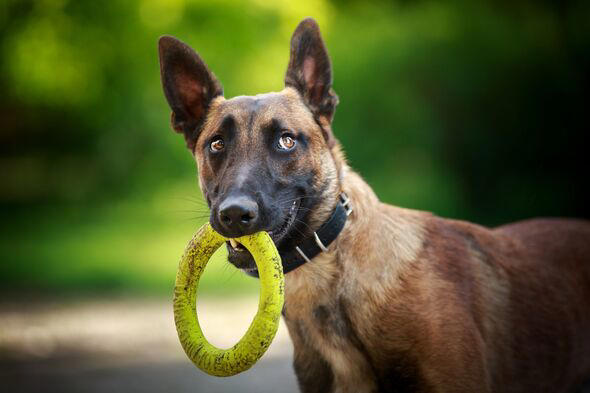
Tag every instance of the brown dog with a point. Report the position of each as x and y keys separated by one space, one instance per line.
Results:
x=400 y=300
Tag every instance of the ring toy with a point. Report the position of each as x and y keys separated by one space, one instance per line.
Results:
x=253 y=345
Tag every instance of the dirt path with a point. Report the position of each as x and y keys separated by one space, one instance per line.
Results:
x=127 y=346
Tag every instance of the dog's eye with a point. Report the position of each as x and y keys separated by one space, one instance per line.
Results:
x=217 y=145
x=286 y=142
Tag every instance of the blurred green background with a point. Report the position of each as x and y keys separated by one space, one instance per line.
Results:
x=471 y=110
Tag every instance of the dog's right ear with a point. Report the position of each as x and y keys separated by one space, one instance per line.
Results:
x=189 y=87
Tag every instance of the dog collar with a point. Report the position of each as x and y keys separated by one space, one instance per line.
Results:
x=318 y=242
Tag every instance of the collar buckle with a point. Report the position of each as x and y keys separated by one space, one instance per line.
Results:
x=345 y=201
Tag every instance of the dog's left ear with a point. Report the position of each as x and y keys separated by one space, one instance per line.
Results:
x=310 y=73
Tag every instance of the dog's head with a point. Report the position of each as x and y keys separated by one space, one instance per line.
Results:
x=266 y=162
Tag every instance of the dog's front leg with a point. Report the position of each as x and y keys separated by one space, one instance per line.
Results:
x=323 y=367
x=313 y=372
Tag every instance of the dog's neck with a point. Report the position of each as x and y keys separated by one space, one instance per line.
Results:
x=371 y=226
x=325 y=268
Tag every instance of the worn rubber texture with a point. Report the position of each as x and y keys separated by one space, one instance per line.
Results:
x=251 y=347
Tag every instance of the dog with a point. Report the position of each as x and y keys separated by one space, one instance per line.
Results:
x=378 y=298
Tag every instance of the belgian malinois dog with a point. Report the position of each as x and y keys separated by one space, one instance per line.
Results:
x=378 y=298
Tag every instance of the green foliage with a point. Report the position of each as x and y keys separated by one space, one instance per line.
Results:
x=132 y=245
x=467 y=109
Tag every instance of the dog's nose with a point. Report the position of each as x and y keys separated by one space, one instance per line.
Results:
x=238 y=215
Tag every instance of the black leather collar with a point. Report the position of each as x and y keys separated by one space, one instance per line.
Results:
x=318 y=241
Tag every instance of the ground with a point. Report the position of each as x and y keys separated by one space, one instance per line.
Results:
x=127 y=345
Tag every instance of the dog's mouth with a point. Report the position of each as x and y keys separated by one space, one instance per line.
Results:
x=241 y=257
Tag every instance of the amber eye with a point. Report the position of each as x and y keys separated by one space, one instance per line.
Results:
x=217 y=145
x=286 y=142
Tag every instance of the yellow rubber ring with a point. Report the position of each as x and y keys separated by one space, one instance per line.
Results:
x=210 y=359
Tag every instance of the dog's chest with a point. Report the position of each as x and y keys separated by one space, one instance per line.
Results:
x=336 y=314
x=319 y=322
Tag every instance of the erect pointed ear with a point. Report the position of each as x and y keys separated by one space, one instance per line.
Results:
x=189 y=87
x=310 y=71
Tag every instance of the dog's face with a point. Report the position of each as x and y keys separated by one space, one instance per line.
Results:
x=265 y=162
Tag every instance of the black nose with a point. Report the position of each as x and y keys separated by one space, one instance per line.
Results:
x=238 y=215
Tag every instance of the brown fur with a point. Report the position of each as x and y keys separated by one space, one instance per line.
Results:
x=439 y=305
x=403 y=301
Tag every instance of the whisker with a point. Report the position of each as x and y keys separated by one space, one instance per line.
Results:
x=303 y=223
x=198 y=201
